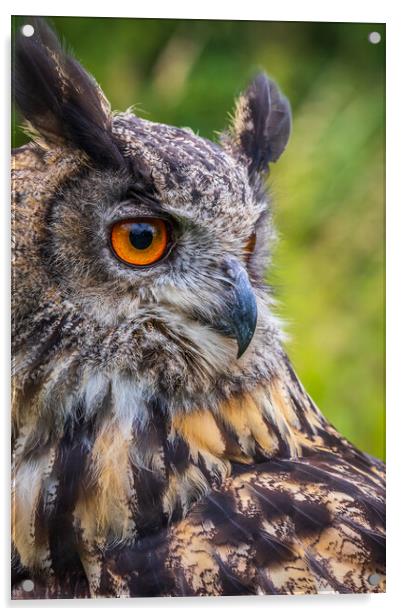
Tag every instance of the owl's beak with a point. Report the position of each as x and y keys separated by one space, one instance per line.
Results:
x=239 y=318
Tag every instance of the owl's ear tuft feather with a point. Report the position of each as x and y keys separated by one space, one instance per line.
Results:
x=61 y=103
x=261 y=126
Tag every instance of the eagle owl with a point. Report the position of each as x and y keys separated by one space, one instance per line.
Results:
x=162 y=443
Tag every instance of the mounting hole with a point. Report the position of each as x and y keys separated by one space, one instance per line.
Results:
x=28 y=30
x=374 y=38
x=374 y=579
x=28 y=585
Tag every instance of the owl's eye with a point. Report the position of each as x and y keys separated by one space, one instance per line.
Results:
x=250 y=245
x=140 y=241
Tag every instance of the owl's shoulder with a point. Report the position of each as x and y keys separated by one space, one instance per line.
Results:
x=286 y=527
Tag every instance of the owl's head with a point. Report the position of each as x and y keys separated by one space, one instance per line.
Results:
x=140 y=247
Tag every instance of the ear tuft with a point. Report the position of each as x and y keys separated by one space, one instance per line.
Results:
x=62 y=104
x=261 y=125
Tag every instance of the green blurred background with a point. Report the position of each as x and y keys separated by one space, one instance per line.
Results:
x=328 y=187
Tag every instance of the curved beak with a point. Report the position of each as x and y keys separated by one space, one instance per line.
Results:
x=239 y=317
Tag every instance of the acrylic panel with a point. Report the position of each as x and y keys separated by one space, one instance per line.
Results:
x=198 y=308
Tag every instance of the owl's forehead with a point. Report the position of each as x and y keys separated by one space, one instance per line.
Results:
x=190 y=173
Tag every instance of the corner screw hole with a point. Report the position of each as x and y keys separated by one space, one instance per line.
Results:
x=28 y=585
x=28 y=30
x=374 y=38
x=374 y=579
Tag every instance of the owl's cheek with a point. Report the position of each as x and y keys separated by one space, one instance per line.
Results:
x=232 y=311
x=226 y=305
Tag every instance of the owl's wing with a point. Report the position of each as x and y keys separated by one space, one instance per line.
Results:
x=286 y=527
x=314 y=525
x=281 y=527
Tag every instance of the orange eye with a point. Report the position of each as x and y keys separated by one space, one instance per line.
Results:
x=140 y=241
x=250 y=245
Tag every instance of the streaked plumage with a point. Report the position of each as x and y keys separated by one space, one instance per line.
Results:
x=148 y=458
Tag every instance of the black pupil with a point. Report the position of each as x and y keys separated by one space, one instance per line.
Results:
x=141 y=235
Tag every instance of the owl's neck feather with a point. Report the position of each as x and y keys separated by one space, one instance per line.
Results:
x=106 y=481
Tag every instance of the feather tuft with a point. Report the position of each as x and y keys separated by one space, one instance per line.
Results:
x=61 y=103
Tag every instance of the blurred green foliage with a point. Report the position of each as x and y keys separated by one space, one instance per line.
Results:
x=328 y=188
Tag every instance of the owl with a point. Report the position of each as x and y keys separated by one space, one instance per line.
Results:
x=162 y=442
